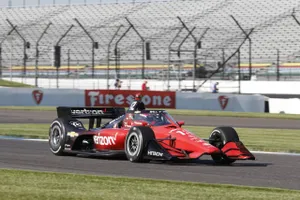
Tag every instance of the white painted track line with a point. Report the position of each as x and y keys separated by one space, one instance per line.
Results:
x=46 y=140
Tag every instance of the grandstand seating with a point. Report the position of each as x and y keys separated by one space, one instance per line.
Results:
x=274 y=29
x=286 y=70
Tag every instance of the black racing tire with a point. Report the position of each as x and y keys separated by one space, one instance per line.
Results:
x=218 y=138
x=57 y=137
x=136 y=143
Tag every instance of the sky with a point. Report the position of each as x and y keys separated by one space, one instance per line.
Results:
x=4 y=3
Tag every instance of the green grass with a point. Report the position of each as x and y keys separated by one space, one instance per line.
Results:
x=231 y=114
x=5 y=83
x=29 y=185
x=278 y=140
x=25 y=130
x=178 y=112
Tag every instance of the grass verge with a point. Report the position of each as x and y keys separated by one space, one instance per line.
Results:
x=21 y=184
x=5 y=83
x=178 y=112
x=278 y=140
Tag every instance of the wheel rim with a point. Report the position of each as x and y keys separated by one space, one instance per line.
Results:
x=55 y=136
x=217 y=140
x=219 y=143
x=133 y=144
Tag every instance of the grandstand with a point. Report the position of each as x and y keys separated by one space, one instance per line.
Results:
x=274 y=30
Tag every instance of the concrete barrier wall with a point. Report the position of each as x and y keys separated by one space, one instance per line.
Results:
x=152 y=99
x=220 y=102
x=41 y=97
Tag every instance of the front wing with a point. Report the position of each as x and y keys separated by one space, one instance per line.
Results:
x=232 y=150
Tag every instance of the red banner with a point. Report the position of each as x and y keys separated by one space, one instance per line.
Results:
x=123 y=98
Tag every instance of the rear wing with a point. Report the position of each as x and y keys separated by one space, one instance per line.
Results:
x=90 y=113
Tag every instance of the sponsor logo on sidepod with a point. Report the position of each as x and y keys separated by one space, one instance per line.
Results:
x=105 y=140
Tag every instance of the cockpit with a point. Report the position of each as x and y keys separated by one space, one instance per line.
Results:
x=153 y=118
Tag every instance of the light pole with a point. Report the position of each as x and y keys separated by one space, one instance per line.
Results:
x=37 y=54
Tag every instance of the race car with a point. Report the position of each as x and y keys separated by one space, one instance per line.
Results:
x=140 y=136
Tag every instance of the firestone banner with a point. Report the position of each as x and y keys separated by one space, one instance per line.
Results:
x=123 y=98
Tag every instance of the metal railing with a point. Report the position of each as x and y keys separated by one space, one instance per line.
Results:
x=179 y=51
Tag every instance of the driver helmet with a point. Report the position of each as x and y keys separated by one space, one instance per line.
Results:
x=138 y=97
x=137 y=104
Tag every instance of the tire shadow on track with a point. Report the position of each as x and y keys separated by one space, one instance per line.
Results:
x=212 y=163
x=202 y=162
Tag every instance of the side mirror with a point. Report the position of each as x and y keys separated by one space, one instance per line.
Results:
x=180 y=123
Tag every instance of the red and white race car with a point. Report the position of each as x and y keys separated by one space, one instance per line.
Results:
x=140 y=135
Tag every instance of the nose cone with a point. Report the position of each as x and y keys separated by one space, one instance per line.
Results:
x=197 y=154
x=237 y=150
x=191 y=143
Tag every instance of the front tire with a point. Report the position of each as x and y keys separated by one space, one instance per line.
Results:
x=136 y=143
x=57 y=137
x=218 y=138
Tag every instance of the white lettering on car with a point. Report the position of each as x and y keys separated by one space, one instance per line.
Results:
x=180 y=132
x=177 y=131
x=190 y=135
x=87 y=112
x=105 y=140
x=76 y=124
x=155 y=153
x=132 y=105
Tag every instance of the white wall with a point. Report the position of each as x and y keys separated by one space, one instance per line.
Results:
x=50 y=97
x=288 y=106
x=181 y=100
x=247 y=87
x=184 y=100
x=230 y=102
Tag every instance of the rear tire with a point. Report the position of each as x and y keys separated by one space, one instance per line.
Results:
x=136 y=142
x=57 y=137
x=218 y=138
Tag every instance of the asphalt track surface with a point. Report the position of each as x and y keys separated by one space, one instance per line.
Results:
x=267 y=171
x=280 y=171
x=18 y=116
